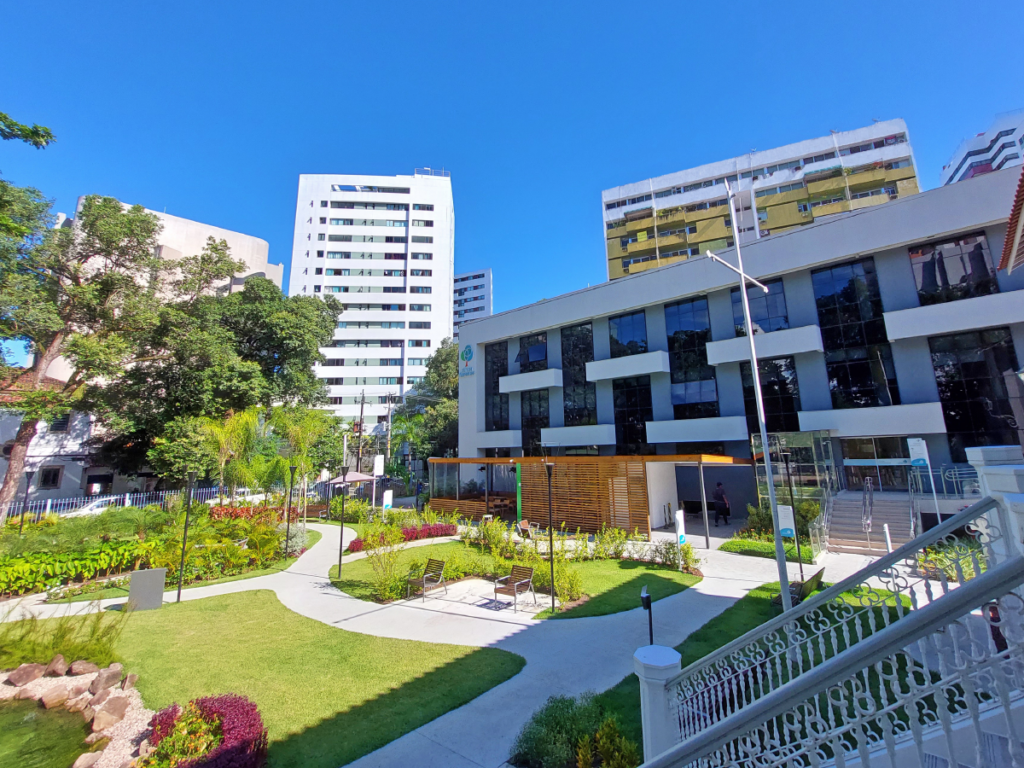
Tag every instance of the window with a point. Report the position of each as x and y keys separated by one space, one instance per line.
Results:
x=533 y=353
x=337 y=238
x=535 y=415
x=422 y=256
x=422 y=223
x=780 y=392
x=419 y=343
x=495 y=403
x=323 y=219
x=419 y=289
x=394 y=239
x=979 y=389
x=390 y=380
x=420 y=324
x=323 y=203
x=579 y=396
x=416 y=361
x=953 y=269
x=319 y=254
x=422 y=207
x=61 y=423
x=767 y=310
x=320 y=271
x=857 y=354
x=316 y=289
x=628 y=334
x=421 y=239
x=320 y=236
x=633 y=409
x=394 y=289
x=694 y=389
x=49 y=478
x=422 y=272
x=338 y=222
x=419 y=307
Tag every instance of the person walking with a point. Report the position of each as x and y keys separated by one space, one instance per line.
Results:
x=721 y=504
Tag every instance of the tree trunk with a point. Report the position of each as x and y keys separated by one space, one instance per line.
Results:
x=16 y=464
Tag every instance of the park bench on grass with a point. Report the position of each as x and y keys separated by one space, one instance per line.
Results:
x=526 y=529
x=519 y=582
x=801 y=590
x=433 y=577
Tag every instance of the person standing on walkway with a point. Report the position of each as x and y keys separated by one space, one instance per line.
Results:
x=721 y=504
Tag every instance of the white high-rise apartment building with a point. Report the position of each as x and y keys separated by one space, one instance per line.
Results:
x=384 y=246
x=473 y=297
x=1001 y=146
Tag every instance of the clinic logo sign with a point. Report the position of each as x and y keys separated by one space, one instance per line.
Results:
x=466 y=356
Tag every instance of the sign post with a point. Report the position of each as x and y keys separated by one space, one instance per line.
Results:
x=919 y=458
x=787 y=529
x=680 y=517
x=378 y=470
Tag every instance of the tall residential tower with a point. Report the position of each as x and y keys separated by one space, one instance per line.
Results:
x=778 y=189
x=1001 y=146
x=474 y=297
x=384 y=246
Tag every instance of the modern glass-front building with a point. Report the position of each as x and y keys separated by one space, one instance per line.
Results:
x=878 y=325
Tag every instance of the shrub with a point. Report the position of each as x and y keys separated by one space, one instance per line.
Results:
x=384 y=544
x=610 y=543
x=608 y=748
x=296 y=538
x=757 y=548
x=40 y=571
x=356 y=510
x=214 y=732
x=944 y=555
x=759 y=519
x=413 y=534
x=550 y=738
x=669 y=553
x=256 y=514
x=34 y=641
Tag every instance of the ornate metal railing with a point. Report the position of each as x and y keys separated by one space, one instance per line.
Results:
x=819 y=526
x=727 y=685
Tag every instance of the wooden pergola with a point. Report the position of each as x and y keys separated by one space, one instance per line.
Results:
x=587 y=492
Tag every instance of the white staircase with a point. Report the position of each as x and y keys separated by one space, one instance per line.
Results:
x=846 y=527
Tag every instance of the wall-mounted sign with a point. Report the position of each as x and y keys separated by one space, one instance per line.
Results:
x=918 y=452
x=466 y=357
x=787 y=522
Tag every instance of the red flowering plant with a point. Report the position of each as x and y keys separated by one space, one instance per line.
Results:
x=213 y=732
x=413 y=534
x=254 y=514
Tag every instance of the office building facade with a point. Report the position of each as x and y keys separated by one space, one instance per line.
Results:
x=384 y=247
x=1001 y=146
x=472 y=297
x=674 y=217
x=877 y=326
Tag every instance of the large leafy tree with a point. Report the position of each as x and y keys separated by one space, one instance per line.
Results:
x=437 y=399
x=36 y=135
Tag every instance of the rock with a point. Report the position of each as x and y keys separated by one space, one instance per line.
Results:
x=26 y=693
x=111 y=713
x=25 y=674
x=57 y=667
x=100 y=698
x=78 y=690
x=97 y=738
x=145 y=748
x=88 y=713
x=77 y=704
x=105 y=679
x=83 y=668
x=129 y=682
x=87 y=760
x=54 y=696
x=117 y=665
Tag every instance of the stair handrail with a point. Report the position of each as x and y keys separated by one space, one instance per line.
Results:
x=867 y=504
x=844 y=610
x=797 y=731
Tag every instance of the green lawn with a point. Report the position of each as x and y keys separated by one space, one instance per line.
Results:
x=327 y=696
x=756 y=548
x=312 y=537
x=613 y=585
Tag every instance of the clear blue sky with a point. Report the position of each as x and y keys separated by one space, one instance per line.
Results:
x=210 y=110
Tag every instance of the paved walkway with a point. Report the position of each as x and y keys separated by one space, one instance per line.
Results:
x=563 y=656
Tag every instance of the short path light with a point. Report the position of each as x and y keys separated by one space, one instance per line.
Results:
x=184 y=536
x=645 y=601
x=344 y=493
x=288 y=515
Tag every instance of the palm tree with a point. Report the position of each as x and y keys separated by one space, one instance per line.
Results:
x=302 y=427
x=231 y=440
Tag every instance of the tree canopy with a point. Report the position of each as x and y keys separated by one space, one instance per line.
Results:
x=437 y=399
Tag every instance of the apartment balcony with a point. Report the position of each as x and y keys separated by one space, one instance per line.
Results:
x=677 y=217
x=825 y=210
x=671 y=240
x=885 y=421
x=616 y=231
x=507 y=438
x=698 y=430
x=615 y=250
x=787 y=215
x=781 y=198
x=791 y=341
x=867 y=179
x=594 y=434
x=630 y=365
x=521 y=382
x=827 y=186
x=711 y=229
x=901 y=174
x=644 y=246
x=956 y=316
x=637 y=225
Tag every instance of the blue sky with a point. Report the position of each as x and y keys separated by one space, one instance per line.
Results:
x=211 y=110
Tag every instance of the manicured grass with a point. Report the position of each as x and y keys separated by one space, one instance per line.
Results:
x=749 y=612
x=327 y=696
x=312 y=537
x=756 y=548
x=613 y=585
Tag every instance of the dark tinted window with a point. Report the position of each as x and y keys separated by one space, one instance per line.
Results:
x=628 y=334
x=533 y=353
x=780 y=392
x=495 y=403
x=633 y=409
x=579 y=396
x=535 y=417
x=694 y=390
x=954 y=269
x=767 y=310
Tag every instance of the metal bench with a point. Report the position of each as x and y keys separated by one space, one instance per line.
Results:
x=519 y=582
x=432 y=578
x=801 y=590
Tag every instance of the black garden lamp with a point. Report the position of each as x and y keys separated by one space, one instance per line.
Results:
x=645 y=601
x=192 y=475
x=288 y=513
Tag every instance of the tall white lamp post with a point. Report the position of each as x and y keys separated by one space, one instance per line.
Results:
x=780 y=551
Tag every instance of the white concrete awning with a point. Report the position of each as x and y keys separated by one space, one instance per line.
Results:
x=520 y=382
x=697 y=430
x=889 y=420
x=506 y=438
x=593 y=434
x=791 y=341
x=955 y=316
x=629 y=365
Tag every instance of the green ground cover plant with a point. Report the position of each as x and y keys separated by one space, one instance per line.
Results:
x=760 y=548
x=36 y=641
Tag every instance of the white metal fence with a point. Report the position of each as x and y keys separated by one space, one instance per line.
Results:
x=38 y=509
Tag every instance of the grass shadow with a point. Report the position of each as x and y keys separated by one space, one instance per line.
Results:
x=625 y=595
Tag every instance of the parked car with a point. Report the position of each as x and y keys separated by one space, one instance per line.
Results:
x=94 y=507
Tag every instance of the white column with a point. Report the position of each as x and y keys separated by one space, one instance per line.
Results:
x=1001 y=474
x=655 y=665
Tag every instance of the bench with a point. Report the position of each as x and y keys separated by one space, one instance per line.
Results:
x=433 y=577
x=526 y=529
x=519 y=582
x=801 y=590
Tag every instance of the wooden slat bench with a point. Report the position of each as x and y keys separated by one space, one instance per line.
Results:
x=432 y=578
x=519 y=582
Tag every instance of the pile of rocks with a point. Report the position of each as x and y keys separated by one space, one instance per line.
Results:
x=106 y=698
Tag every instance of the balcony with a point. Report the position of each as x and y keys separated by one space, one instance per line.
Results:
x=594 y=434
x=616 y=231
x=678 y=217
x=636 y=225
x=508 y=438
x=873 y=178
x=885 y=421
x=791 y=341
x=711 y=229
x=670 y=240
x=630 y=365
x=642 y=246
x=520 y=382
x=825 y=210
x=698 y=430
x=956 y=316
x=786 y=215
x=827 y=186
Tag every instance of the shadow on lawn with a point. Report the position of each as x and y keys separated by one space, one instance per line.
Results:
x=626 y=596
x=347 y=736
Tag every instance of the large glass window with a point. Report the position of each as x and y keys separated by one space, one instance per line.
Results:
x=857 y=354
x=628 y=334
x=633 y=409
x=780 y=392
x=535 y=417
x=882 y=459
x=495 y=403
x=953 y=269
x=533 y=353
x=579 y=395
x=767 y=310
x=694 y=391
x=980 y=391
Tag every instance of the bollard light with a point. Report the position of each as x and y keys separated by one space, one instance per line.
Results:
x=645 y=601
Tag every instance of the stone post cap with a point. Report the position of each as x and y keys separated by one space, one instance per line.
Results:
x=657 y=661
x=995 y=454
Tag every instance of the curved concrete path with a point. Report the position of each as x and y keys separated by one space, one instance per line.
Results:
x=563 y=656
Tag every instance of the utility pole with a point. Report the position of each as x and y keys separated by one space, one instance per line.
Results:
x=359 y=438
x=387 y=444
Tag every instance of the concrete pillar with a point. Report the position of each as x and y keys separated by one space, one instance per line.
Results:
x=655 y=665
x=1001 y=475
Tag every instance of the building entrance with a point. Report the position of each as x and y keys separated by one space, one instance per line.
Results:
x=885 y=460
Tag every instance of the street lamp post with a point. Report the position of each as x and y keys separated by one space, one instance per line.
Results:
x=549 y=466
x=184 y=536
x=344 y=493
x=28 y=485
x=288 y=513
x=780 y=551
x=796 y=519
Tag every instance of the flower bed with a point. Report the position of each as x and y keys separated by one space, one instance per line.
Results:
x=259 y=514
x=413 y=534
x=212 y=732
